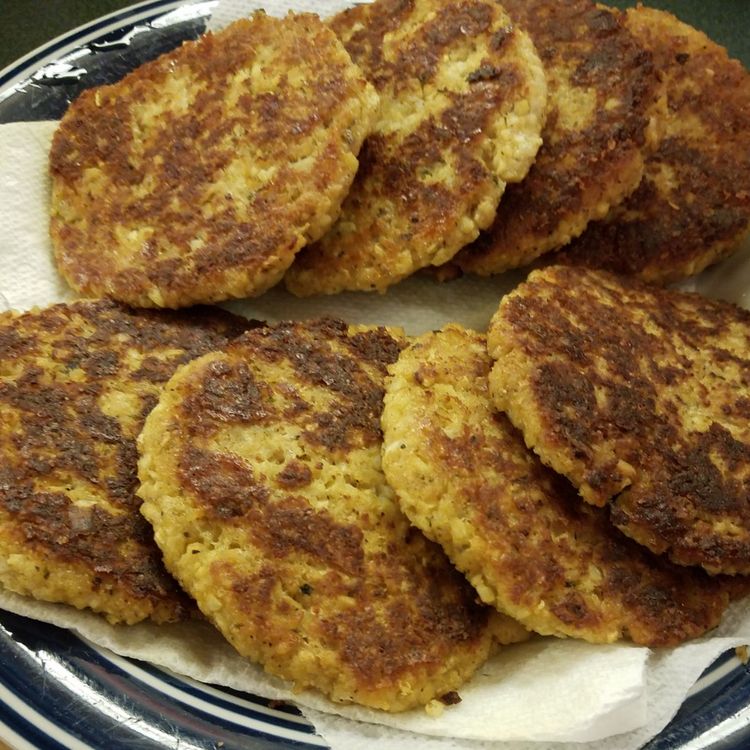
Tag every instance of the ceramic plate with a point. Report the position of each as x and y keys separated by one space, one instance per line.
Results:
x=59 y=691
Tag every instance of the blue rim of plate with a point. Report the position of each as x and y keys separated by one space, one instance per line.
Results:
x=58 y=690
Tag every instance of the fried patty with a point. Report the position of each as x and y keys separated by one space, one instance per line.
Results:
x=517 y=530
x=601 y=90
x=261 y=475
x=462 y=102
x=639 y=395
x=692 y=207
x=198 y=176
x=76 y=383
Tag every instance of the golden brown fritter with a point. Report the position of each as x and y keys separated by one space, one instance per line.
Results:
x=693 y=206
x=463 y=95
x=76 y=383
x=261 y=475
x=199 y=176
x=516 y=529
x=601 y=91
x=639 y=395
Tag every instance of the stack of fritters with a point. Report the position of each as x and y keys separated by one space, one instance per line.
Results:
x=76 y=384
x=516 y=529
x=261 y=475
x=223 y=166
x=271 y=495
x=692 y=207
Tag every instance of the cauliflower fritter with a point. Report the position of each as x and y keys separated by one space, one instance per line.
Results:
x=76 y=383
x=692 y=207
x=198 y=177
x=638 y=395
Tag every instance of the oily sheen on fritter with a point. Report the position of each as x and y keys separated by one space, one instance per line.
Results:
x=261 y=475
x=76 y=383
x=462 y=105
x=516 y=529
x=198 y=177
x=638 y=395
x=601 y=91
x=692 y=207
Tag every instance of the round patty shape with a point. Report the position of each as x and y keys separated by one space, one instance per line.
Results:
x=692 y=207
x=462 y=95
x=601 y=88
x=517 y=530
x=261 y=475
x=200 y=175
x=638 y=395
x=76 y=383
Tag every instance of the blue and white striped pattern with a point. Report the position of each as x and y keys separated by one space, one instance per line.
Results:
x=96 y=53
x=60 y=47
x=58 y=691
x=716 y=713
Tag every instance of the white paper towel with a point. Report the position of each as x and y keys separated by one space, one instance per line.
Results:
x=27 y=273
x=227 y=11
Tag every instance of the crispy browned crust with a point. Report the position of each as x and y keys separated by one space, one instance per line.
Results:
x=601 y=90
x=514 y=527
x=198 y=176
x=260 y=472
x=462 y=103
x=639 y=396
x=693 y=206
x=76 y=383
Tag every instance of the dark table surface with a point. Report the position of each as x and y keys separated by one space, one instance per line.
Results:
x=25 y=24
